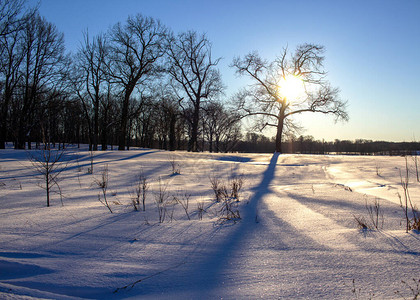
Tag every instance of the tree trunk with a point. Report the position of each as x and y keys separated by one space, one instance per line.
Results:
x=217 y=150
x=104 y=138
x=3 y=125
x=122 y=131
x=20 y=141
x=22 y=126
x=47 y=175
x=48 y=191
x=95 y=127
x=3 y=134
x=128 y=138
x=279 y=133
x=172 y=136
x=104 y=130
x=211 y=141
x=193 y=144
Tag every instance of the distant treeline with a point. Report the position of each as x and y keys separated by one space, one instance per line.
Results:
x=308 y=145
x=258 y=143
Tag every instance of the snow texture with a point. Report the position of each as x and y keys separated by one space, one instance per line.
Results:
x=297 y=237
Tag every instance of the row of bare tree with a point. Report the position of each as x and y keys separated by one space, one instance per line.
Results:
x=139 y=83
x=253 y=142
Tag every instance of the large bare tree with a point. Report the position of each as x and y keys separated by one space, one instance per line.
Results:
x=136 y=47
x=11 y=58
x=12 y=21
x=269 y=97
x=11 y=16
x=91 y=82
x=194 y=75
x=44 y=68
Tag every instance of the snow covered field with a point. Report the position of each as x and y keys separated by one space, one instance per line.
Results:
x=297 y=239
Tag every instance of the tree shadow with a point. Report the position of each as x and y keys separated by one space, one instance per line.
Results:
x=76 y=164
x=218 y=262
x=208 y=273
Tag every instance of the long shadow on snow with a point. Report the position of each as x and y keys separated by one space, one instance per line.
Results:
x=13 y=270
x=88 y=163
x=208 y=273
x=72 y=158
x=232 y=158
x=214 y=267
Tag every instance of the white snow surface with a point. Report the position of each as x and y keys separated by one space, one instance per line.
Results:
x=297 y=237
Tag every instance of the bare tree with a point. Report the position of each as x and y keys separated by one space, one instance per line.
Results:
x=166 y=115
x=50 y=164
x=10 y=16
x=103 y=184
x=220 y=126
x=11 y=59
x=194 y=76
x=12 y=20
x=136 y=47
x=91 y=83
x=43 y=71
x=266 y=98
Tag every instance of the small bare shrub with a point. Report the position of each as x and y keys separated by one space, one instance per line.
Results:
x=161 y=199
x=236 y=185
x=378 y=170
x=217 y=187
x=103 y=185
x=135 y=204
x=415 y=223
x=200 y=210
x=412 y=222
x=376 y=216
x=228 y=194
x=176 y=168
x=414 y=289
x=140 y=191
x=347 y=188
x=222 y=190
x=49 y=163
x=361 y=223
x=229 y=210
x=184 y=200
x=90 y=170
x=357 y=292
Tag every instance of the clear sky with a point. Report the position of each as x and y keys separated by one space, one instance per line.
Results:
x=372 y=48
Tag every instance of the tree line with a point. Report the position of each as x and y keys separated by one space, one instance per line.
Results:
x=254 y=142
x=140 y=84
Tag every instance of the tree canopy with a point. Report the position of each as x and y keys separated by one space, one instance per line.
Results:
x=266 y=97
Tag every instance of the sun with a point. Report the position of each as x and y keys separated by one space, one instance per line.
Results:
x=291 y=88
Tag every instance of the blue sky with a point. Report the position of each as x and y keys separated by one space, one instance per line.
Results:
x=372 y=49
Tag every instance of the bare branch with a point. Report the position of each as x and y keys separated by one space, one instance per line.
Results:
x=194 y=76
x=263 y=98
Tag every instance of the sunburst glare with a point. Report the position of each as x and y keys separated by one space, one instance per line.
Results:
x=291 y=88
